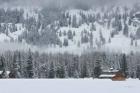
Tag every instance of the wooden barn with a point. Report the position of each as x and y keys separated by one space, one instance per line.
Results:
x=114 y=75
x=119 y=76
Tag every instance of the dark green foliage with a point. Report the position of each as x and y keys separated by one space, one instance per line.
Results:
x=3 y=67
x=74 y=33
x=30 y=72
x=102 y=38
x=119 y=27
x=84 y=70
x=50 y=14
x=84 y=39
x=125 y=31
x=138 y=71
x=124 y=65
x=63 y=20
x=91 y=39
x=138 y=33
x=86 y=65
x=70 y=35
x=15 y=73
x=74 y=22
x=97 y=69
x=11 y=16
x=52 y=71
x=66 y=42
x=60 y=72
x=2 y=64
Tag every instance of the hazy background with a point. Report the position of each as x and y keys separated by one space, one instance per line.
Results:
x=67 y=3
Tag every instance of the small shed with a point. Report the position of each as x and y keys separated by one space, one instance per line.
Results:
x=119 y=76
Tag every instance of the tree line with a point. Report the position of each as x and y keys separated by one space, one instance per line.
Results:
x=35 y=65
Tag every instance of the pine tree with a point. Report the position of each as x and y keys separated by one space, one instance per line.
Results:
x=130 y=22
x=102 y=38
x=119 y=27
x=66 y=42
x=60 y=33
x=2 y=65
x=124 y=65
x=91 y=40
x=70 y=35
x=30 y=72
x=60 y=72
x=84 y=73
x=64 y=33
x=138 y=33
x=97 y=69
x=66 y=72
x=3 y=68
x=74 y=22
x=74 y=33
x=15 y=70
x=76 y=74
x=52 y=71
x=132 y=42
x=125 y=31
x=136 y=44
x=20 y=64
x=138 y=72
x=109 y=41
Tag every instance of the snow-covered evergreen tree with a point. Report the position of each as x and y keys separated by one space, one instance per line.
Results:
x=30 y=71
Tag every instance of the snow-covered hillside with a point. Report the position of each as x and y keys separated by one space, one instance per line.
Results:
x=73 y=30
x=69 y=86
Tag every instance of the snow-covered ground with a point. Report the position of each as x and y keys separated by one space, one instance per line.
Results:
x=69 y=86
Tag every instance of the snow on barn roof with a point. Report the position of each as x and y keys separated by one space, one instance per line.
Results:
x=114 y=70
x=106 y=75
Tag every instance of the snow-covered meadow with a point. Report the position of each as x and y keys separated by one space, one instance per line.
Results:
x=69 y=86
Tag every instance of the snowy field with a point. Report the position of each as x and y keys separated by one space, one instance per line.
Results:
x=69 y=86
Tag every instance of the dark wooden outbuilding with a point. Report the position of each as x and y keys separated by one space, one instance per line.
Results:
x=119 y=76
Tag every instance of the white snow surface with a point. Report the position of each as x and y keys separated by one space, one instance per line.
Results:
x=3 y=37
x=69 y=86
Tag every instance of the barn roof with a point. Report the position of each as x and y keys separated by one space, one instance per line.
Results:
x=110 y=70
x=106 y=76
x=108 y=73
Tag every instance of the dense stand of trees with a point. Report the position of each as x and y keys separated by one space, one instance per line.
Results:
x=36 y=65
x=45 y=31
x=43 y=27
